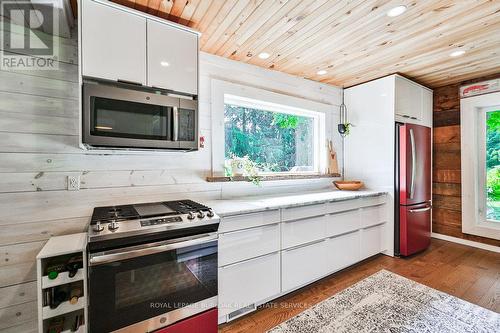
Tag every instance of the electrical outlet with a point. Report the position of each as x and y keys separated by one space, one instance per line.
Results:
x=73 y=183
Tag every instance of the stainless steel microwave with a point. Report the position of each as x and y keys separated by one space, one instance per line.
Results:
x=128 y=117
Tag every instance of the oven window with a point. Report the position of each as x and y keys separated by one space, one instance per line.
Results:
x=125 y=119
x=136 y=289
x=186 y=124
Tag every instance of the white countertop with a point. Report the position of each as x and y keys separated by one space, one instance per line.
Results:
x=251 y=204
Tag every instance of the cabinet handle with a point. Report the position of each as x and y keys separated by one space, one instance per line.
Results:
x=129 y=82
x=176 y=124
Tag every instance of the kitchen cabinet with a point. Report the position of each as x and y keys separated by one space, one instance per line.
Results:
x=248 y=243
x=408 y=99
x=243 y=284
x=302 y=231
x=303 y=265
x=343 y=250
x=113 y=43
x=413 y=102
x=266 y=254
x=372 y=240
x=341 y=223
x=172 y=58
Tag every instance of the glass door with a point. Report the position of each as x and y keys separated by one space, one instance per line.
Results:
x=126 y=119
x=125 y=289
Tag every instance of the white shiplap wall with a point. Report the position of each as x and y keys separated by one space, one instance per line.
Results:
x=39 y=150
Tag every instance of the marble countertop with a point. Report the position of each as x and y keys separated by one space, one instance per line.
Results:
x=251 y=204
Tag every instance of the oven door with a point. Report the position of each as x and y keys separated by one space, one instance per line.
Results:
x=127 y=118
x=146 y=287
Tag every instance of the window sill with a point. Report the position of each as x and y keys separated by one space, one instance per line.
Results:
x=268 y=178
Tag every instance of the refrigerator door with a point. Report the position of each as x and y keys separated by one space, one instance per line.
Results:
x=415 y=228
x=414 y=164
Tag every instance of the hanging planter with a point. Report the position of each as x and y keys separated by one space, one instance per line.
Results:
x=344 y=126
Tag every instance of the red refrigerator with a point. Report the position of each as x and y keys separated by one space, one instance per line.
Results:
x=413 y=189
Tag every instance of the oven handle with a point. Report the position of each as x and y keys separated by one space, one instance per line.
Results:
x=104 y=258
x=175 y=135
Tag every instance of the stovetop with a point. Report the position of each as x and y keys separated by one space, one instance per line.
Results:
x=112 y=222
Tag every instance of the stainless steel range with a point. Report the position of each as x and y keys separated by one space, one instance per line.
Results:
x=151 y=266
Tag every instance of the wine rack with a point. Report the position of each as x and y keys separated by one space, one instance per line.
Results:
x=61 y=270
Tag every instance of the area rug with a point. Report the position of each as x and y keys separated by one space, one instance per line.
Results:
x=387 y=302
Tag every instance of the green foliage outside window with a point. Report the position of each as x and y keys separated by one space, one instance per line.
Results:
x=493 y=165
x=275 y=142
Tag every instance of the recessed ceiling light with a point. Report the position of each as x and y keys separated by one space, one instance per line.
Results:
x=164 y=64
x=321 y=72
x=457 y=53
x=396 y=11
x=264 y=55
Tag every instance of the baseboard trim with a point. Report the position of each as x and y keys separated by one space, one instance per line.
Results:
x=467 y=242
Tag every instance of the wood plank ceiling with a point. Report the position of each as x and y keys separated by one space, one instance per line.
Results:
x=354 y=41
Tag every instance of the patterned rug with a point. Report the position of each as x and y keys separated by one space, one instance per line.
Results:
x=386 y=302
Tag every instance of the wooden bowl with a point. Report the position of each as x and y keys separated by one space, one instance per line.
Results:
x=348 y=185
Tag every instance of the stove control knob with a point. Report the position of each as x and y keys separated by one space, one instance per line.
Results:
x=98 y=227
x=113 y=226
x=201 y=214
x=190 y=216
x=210 y=213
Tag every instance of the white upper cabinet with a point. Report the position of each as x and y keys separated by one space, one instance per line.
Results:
x=113 y=43
x=172 y=58
x=408 y=99
x=413 y=102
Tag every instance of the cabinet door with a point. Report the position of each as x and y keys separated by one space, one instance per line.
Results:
x=372 y=240
x=172 y=58
x=427 y=105
x=248 y=282
x=249 y=243
x=303 y=265
x=302 y=231
x=343 y=250
x=408 y=99
x=113 y=43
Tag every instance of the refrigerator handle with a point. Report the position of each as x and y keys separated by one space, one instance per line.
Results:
x=413 y=163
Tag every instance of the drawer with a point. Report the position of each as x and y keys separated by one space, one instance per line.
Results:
x=340 y=223
x=372 y=240
x=244 y=221
x=303 y=265
x=304 y=212
x=343 y=250
x=303 y=231
x=339 y=206
x=248 y=282
x=373 y=215
x=372 y=201
x=249 y=243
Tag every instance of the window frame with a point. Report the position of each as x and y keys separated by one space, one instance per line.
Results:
x=318 y=120
x=473 y=155
x=482 y=172
x=327 y=114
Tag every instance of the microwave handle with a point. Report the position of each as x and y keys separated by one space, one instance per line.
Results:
x=175 y=129
x=104 y=258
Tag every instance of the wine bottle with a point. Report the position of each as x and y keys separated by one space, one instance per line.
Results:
x=54 y=269
x=74 y=294
x=73 y=265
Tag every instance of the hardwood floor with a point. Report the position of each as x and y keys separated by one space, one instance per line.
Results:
x=468 y=273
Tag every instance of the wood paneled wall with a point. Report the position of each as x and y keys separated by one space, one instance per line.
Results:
x=447 y=212
x=39 y=150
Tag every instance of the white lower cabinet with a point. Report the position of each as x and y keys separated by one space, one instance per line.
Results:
x=340 y=223
x=372 y=240
x=248 y=243
x=247 y=282
x=303 y=231
x=302 y=265
x=343 y=250
x=267 y=254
